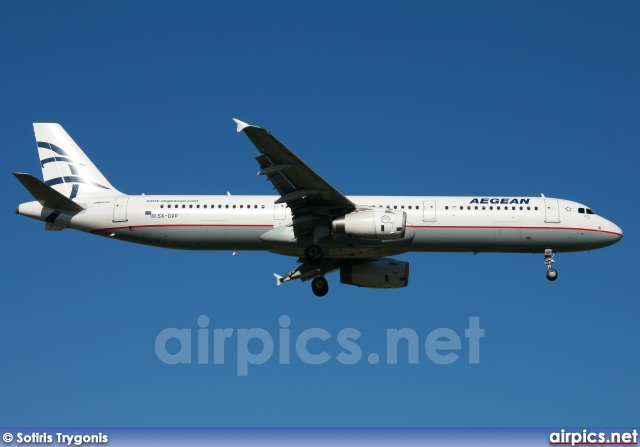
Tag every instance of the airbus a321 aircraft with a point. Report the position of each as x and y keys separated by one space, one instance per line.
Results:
x=309 y=219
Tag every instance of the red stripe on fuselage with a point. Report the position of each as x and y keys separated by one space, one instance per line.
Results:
x=128 y=227
x=513 y=228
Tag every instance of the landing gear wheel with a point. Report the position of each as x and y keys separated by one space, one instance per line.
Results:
x=320 y=286
x=313 y=254
x=552 y=274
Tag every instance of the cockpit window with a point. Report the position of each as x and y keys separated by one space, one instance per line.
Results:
x=581 y=210
x=589 y=211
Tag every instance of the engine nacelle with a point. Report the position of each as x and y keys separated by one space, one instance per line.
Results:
x=377 y=223
x=384 y=273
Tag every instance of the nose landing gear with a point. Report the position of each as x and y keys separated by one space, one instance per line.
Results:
x=552 y=274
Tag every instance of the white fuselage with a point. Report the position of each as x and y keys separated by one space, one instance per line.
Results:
x=458 y=224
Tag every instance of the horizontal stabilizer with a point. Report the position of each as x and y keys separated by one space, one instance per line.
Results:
x=46 y=195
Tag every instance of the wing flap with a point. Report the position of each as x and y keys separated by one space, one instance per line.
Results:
x=306 y=271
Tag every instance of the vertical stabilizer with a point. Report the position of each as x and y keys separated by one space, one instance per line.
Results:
x=65 y=167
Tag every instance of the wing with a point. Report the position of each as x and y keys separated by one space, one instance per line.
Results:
x=307 y=194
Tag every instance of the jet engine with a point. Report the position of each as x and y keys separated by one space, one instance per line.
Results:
x=377 y=223
x=383 y=273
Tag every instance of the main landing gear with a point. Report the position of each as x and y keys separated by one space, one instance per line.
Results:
x=552 y=274
x=320 y=286
x=313 y=254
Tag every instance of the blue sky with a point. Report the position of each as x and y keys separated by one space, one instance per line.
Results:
x=409 y=98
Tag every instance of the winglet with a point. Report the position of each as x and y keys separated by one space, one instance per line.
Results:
x=241 y=125
x=278 y=279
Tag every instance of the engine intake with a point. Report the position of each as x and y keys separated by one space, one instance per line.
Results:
x=383 y=273
x=372 y=224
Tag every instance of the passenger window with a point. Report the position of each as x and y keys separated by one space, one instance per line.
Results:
x=226 y=206
x=241 y=206
x=184 y=206
x=161 y=206
x=446 y=207
x=409 y=206
x=417 y=207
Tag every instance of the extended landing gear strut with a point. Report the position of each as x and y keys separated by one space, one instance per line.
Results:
x=313 y=255
x=320 y=286
x=552 y=274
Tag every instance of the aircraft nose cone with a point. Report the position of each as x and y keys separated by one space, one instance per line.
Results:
x=616 y=230
x=608 y=234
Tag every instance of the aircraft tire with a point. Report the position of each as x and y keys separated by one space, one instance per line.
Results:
x=552 y=274
x=313 y=254
x=320 y=286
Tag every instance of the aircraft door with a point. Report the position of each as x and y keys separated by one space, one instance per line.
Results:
x=120 y=209
x=429 y=210
x=551 y=210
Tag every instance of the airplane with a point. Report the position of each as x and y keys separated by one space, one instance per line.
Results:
x=309 y=219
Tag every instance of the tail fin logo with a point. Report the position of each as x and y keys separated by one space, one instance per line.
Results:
x=52 y=147
x=74 y=179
